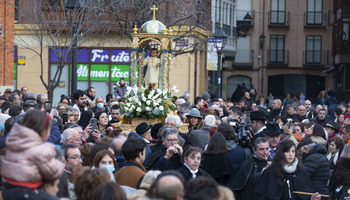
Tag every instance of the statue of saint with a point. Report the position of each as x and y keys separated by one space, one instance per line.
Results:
x=153 y=65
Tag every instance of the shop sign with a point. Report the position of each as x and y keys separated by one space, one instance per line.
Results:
x=100 y=72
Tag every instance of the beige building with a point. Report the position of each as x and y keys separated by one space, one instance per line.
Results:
x=289 y=46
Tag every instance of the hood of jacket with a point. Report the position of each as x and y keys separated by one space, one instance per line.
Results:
x=231 y=145
x=21 y=138
x=317 y=148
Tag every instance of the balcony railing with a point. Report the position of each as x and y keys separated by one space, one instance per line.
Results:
x=315 y=19
x=278 y=57
x=244 y=59
x=279 y=18
x=316 y=58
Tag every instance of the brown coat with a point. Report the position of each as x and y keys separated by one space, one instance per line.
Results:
x=131 y=174
x=28 y=158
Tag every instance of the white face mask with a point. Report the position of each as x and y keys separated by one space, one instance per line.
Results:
x=109 y=168
x=99 y=105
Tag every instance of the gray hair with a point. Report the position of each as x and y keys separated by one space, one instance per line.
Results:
x=41 y=96
x=260 y=140
x=346 y=151
x=186 y=106
x=67 y=134
x=73 y=109
x=12 y=97
x=148 y=178
x=169 y=131
x=177 y=119
x=210 y=120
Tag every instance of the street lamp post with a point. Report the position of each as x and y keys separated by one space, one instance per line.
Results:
x=219 y=35
x=73 y=5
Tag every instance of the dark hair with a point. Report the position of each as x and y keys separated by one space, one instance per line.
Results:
x=85 y=118
x=9 y=123
x=6 y=105
x=260 y=140
x=64 y=97
x=319 y=131
x=77 y=94
x=98 y=114
x=98 y=146
x=36 y=120
x=115 y=107
x=88 y=181
x=15 y=110
x=228 y=131
x=132 y=147
x=89 y=89
x=338 y=141
x=201 y=188
x=301 y=127
x=99 y=157
x=338 y=111
x=217 y=144
x=278 y=161
x=109 y=191
x=197 y=99
x=304 y=142
x=13 y=97
x=109 y=97
x=189 y=150
x=65 y=148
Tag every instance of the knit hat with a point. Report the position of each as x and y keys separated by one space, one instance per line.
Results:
x=205 y=96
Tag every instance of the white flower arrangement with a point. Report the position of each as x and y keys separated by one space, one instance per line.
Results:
x=149 y=104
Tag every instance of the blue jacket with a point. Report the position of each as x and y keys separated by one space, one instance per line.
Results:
x=55 y=134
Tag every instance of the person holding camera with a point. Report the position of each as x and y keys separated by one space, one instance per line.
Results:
x=169 y=156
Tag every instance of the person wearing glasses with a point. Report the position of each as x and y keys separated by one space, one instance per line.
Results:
x=169 y=156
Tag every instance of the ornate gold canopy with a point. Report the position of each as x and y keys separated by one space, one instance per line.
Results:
x=152 y=31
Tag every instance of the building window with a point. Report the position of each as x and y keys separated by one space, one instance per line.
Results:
x=277 y=49
x=278 y=11
x=314 y=12
x=313 y=49
x=224 y=16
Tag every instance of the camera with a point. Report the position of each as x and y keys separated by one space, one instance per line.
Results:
x=241 y=131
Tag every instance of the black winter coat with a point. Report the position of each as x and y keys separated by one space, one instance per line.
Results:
x=269 y=189
x=185 y=172
x=341 y=176
x=244 y=181
x=218 y=166
x=317 y=166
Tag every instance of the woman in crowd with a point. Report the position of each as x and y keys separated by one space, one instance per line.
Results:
x=285 y=176
x=316 y=134
x=29 y=160
x=298 y=132
x=323 y=98
x=215 y=161
x=109 y=191
x=340 y=122
x=105 y=160
x=88 y=181
x=336 y=145
x=61 y=108
x=192 y=159
x=102 y=122
x=194 y=120
x=340 y=182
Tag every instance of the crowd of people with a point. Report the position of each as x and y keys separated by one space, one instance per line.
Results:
x=208 y=149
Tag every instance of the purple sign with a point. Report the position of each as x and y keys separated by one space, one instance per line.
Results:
x=100 y=55
x=120 y=56
x=83 y=55
x=54 y=58
x=15 y=53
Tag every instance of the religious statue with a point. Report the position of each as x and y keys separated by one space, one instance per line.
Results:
x=153 y=64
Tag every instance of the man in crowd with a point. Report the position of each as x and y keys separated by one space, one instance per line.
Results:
x=79 y=97
x=100 y=106
x=169 y=157
x=198 y=103
x=41 y=98
x=115 y=114
x=15 y=99
x=247 y=176
x=24 y=92
x=310 y=112
x=276 y=110
x=315 y=163
x=257 y=119
x=173 y=121
x=273 y=133
x=346 y=134
x=134 y=151
x=321 y=118
x=120 y=89
x=206 y=100
x=117 y=144
x=73 y=160
x=168 y=187
x=90 y=95
x=144 y=130
x=301 y=113
x=71 y=136
x=200 y=138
